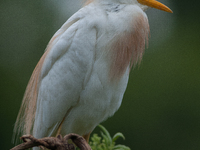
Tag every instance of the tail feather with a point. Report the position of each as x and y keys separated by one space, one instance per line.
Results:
x=25 y=118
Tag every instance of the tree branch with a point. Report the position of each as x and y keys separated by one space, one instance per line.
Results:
x=54 y=143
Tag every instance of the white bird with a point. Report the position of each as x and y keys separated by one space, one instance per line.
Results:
x=82 y=76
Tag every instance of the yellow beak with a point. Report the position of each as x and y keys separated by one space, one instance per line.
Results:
x=155 y=4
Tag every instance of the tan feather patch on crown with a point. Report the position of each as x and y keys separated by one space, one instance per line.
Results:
x=88 y=2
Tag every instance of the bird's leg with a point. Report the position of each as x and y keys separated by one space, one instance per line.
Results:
x=59 y=128
x=87 y=136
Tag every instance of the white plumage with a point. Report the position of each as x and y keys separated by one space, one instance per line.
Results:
x=81 y=78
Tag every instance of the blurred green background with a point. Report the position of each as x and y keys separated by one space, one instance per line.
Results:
x=161 y=106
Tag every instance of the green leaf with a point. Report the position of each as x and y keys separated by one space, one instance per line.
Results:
x=118 y=135
x=121 y=147
x=107 y=134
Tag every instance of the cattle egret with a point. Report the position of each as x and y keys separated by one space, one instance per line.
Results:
x=81 y=78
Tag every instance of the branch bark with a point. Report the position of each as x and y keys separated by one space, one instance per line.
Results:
x=54 y=143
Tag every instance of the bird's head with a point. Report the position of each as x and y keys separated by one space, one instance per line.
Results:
x=144 y=4
x=154 y=4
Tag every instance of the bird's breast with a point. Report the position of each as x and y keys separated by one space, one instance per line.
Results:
x=122 y=40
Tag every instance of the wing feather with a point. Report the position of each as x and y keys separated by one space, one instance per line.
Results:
x=62 y=77
x=26 y=115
